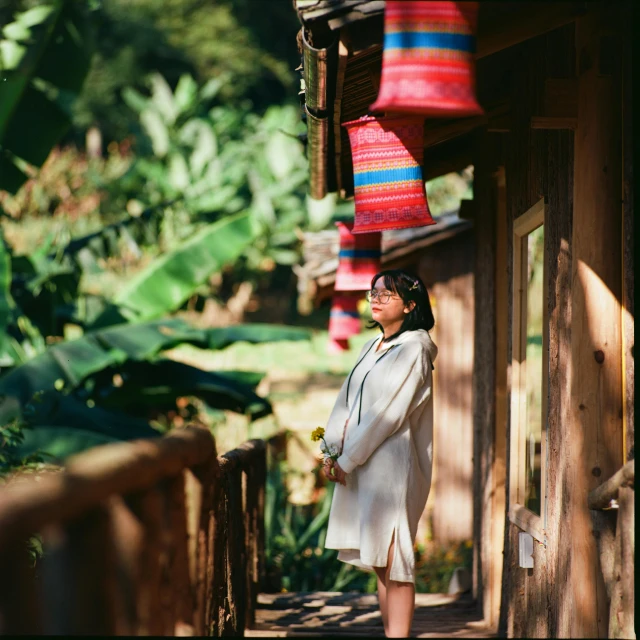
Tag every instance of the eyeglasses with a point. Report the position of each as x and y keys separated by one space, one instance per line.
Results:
x=381 y=296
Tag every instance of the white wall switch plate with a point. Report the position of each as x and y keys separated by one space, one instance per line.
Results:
x=525 y=544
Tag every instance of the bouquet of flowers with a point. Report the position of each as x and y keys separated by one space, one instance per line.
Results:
x=328 y=452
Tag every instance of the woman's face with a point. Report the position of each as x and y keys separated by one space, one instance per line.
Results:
x=383 y=311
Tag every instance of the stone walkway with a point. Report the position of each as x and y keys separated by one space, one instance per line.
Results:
x=353 y=614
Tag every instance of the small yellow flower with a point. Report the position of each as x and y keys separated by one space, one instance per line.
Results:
x=317 y=434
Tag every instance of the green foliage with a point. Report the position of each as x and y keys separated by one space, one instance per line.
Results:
x=434 y=569
x=445 y=192
x=213 y=162
x=11 y=437
x=171 y=279
x=204 y=39
x=66 y=365
x=295 y=557
x=103 y=386
x=141 y=387
x=68 y=188
x=44 y=57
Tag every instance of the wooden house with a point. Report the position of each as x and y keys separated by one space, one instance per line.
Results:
x=551 y=383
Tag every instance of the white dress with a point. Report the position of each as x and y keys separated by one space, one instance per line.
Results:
x=387 y=454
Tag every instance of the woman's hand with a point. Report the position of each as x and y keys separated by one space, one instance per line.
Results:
x=328 y=469
x=334 y=472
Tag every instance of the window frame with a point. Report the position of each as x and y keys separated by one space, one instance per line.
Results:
x=519 y=515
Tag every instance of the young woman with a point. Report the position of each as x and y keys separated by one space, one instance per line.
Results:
x=382 y=424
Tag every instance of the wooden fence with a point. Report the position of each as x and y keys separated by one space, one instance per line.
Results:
x=616 y=546
x=158 y=537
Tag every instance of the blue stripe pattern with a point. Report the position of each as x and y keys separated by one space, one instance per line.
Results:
x=359 y=253
x=344 y=314
x=422 y=40
x=404 y=174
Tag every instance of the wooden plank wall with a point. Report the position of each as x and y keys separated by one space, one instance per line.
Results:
x=447 y=271
x=595 y=424
x=563 y=595
x=540 y=164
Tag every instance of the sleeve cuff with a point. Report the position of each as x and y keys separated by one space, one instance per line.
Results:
x=346 y=463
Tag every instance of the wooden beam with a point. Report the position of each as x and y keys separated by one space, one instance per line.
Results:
x=484 y=358
x=121 y=467
x=435 y=134
x=502 y=25
x=546 y=122
x=601 y=497
x=445 y=163
x=499 y=470
x=594 y=430
x=628 y=322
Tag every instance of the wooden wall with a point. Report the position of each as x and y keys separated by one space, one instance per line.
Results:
x=564 y=594
x=540 y=164
x=447 y=271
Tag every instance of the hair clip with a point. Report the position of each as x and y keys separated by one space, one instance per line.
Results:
x=414 y=286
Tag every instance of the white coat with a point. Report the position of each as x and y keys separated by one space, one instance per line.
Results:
x=387 y=454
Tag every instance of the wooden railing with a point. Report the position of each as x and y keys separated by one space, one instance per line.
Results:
x=616 y=547
x=159 y=537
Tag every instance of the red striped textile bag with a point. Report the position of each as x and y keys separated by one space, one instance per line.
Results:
x=428 y=59
x=337 y=346
x=358 y=258
x=344 y=319
x=387 y=158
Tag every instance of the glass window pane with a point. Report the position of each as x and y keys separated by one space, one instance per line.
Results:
x=533 y=367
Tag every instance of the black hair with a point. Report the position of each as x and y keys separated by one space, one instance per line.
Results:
x=411 y=289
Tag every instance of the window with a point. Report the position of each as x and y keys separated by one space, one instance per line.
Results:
x=529 y=375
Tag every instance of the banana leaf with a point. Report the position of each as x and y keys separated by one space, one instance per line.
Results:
x=45 y=55
x=59 y=443
x=156 y=385
x=171 y=279
x=67 y=364
x=56 y=409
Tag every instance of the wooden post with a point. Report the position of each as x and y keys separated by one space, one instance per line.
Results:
x=92 y=575
x=183 y=604
x=261 y=480
x=484 y=366
x=499 y=473
x=594 y=431
x=627 y=240
x=205 y=497
x=253 y=500
x=147 y=506
x=128 y=535
x=627 y=555
x=20 y=603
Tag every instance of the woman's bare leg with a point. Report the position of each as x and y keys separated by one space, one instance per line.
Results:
x=382 y=596
x=400 y=602
x=401 y=597
x=397 y=601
